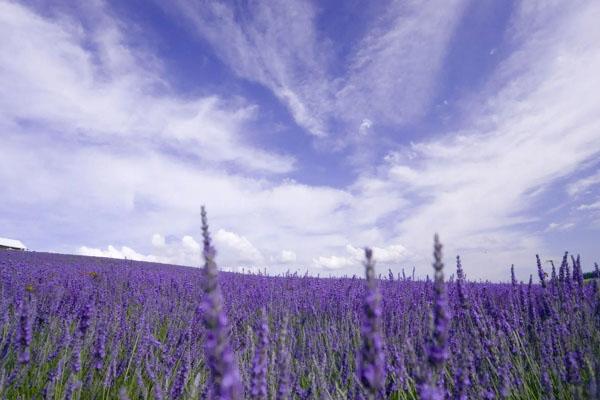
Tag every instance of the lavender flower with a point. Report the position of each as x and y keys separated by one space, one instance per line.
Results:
x=123 y=394
x=541 y=273
x=371 y=369
x=461 y=384
x=225 y=377
x=513 y=278
x=283 y=363
x=437 y=351
x=100 y=347
x=460 y=281
x=182 y=376
x=429 y=387
x=577 y=272
x=25 y=332
x=85 y=320
x=258 y=389
x=572 y=367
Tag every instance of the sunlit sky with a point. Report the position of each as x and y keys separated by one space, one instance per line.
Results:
x=308 y=129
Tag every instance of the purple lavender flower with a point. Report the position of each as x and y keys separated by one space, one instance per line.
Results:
x=123 y=394
x=437 y=353
x=371 y=369
x=25 y=332
x=562 y=272
x=572 y=368
x=258 y=388
x=460 y=281
x=461 y=384
x=513 y=278
x=225 y=376
x=85 y=320
x=100 y=347
x=182 y=376
x=554 y=278
x=577 y=272
x=541 y=273
x=74 y=385
x=283 y=363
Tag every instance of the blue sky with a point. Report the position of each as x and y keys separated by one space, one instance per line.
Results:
x=308 y=129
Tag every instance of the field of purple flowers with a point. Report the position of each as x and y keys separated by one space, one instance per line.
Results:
x=89 y=328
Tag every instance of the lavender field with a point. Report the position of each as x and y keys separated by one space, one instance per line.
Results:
x=90 y=328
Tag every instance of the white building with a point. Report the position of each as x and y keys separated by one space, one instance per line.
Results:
x=11 y=244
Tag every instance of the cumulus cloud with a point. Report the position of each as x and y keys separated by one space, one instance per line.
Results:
x=189 y=243
x=158 y=240
x=390 y=255
x=287 y=256
x=112 y=252
x=242 y=249
x=235 y=252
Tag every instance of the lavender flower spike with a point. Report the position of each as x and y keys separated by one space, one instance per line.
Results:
x=541 y=273
x=225 y=375
x=24 y=332
x=371 y=369
x=258 y=389
x=283 y=363
x=460 y=281
x=437 y=352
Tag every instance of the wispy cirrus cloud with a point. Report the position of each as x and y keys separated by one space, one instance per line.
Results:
x=483 y=187
x=85 y=84
x=393 y=73
x=390 y=76
x=584 y=184
x=273 y=43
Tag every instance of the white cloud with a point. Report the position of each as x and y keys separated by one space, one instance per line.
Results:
x=479 y=186
x=365 y=126
x=394 y=70
x=333 y=262
x=397 y=62
x=558 y=227
x=287 y=256
x=591 y=206
x=112 y=252
x=390 y=255
x=242 y=249
x=255 y=48
x=113 y=95
x=235 y=252
x=189 y=243
x=158 y=240
x=583 y=184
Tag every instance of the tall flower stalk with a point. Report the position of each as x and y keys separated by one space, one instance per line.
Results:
x=25 y=333
x=437 y=353
x=460 y=284
x=258 y=389
x=283 y=363
x=225 y=377
x=541 y=273
x=371 y=369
